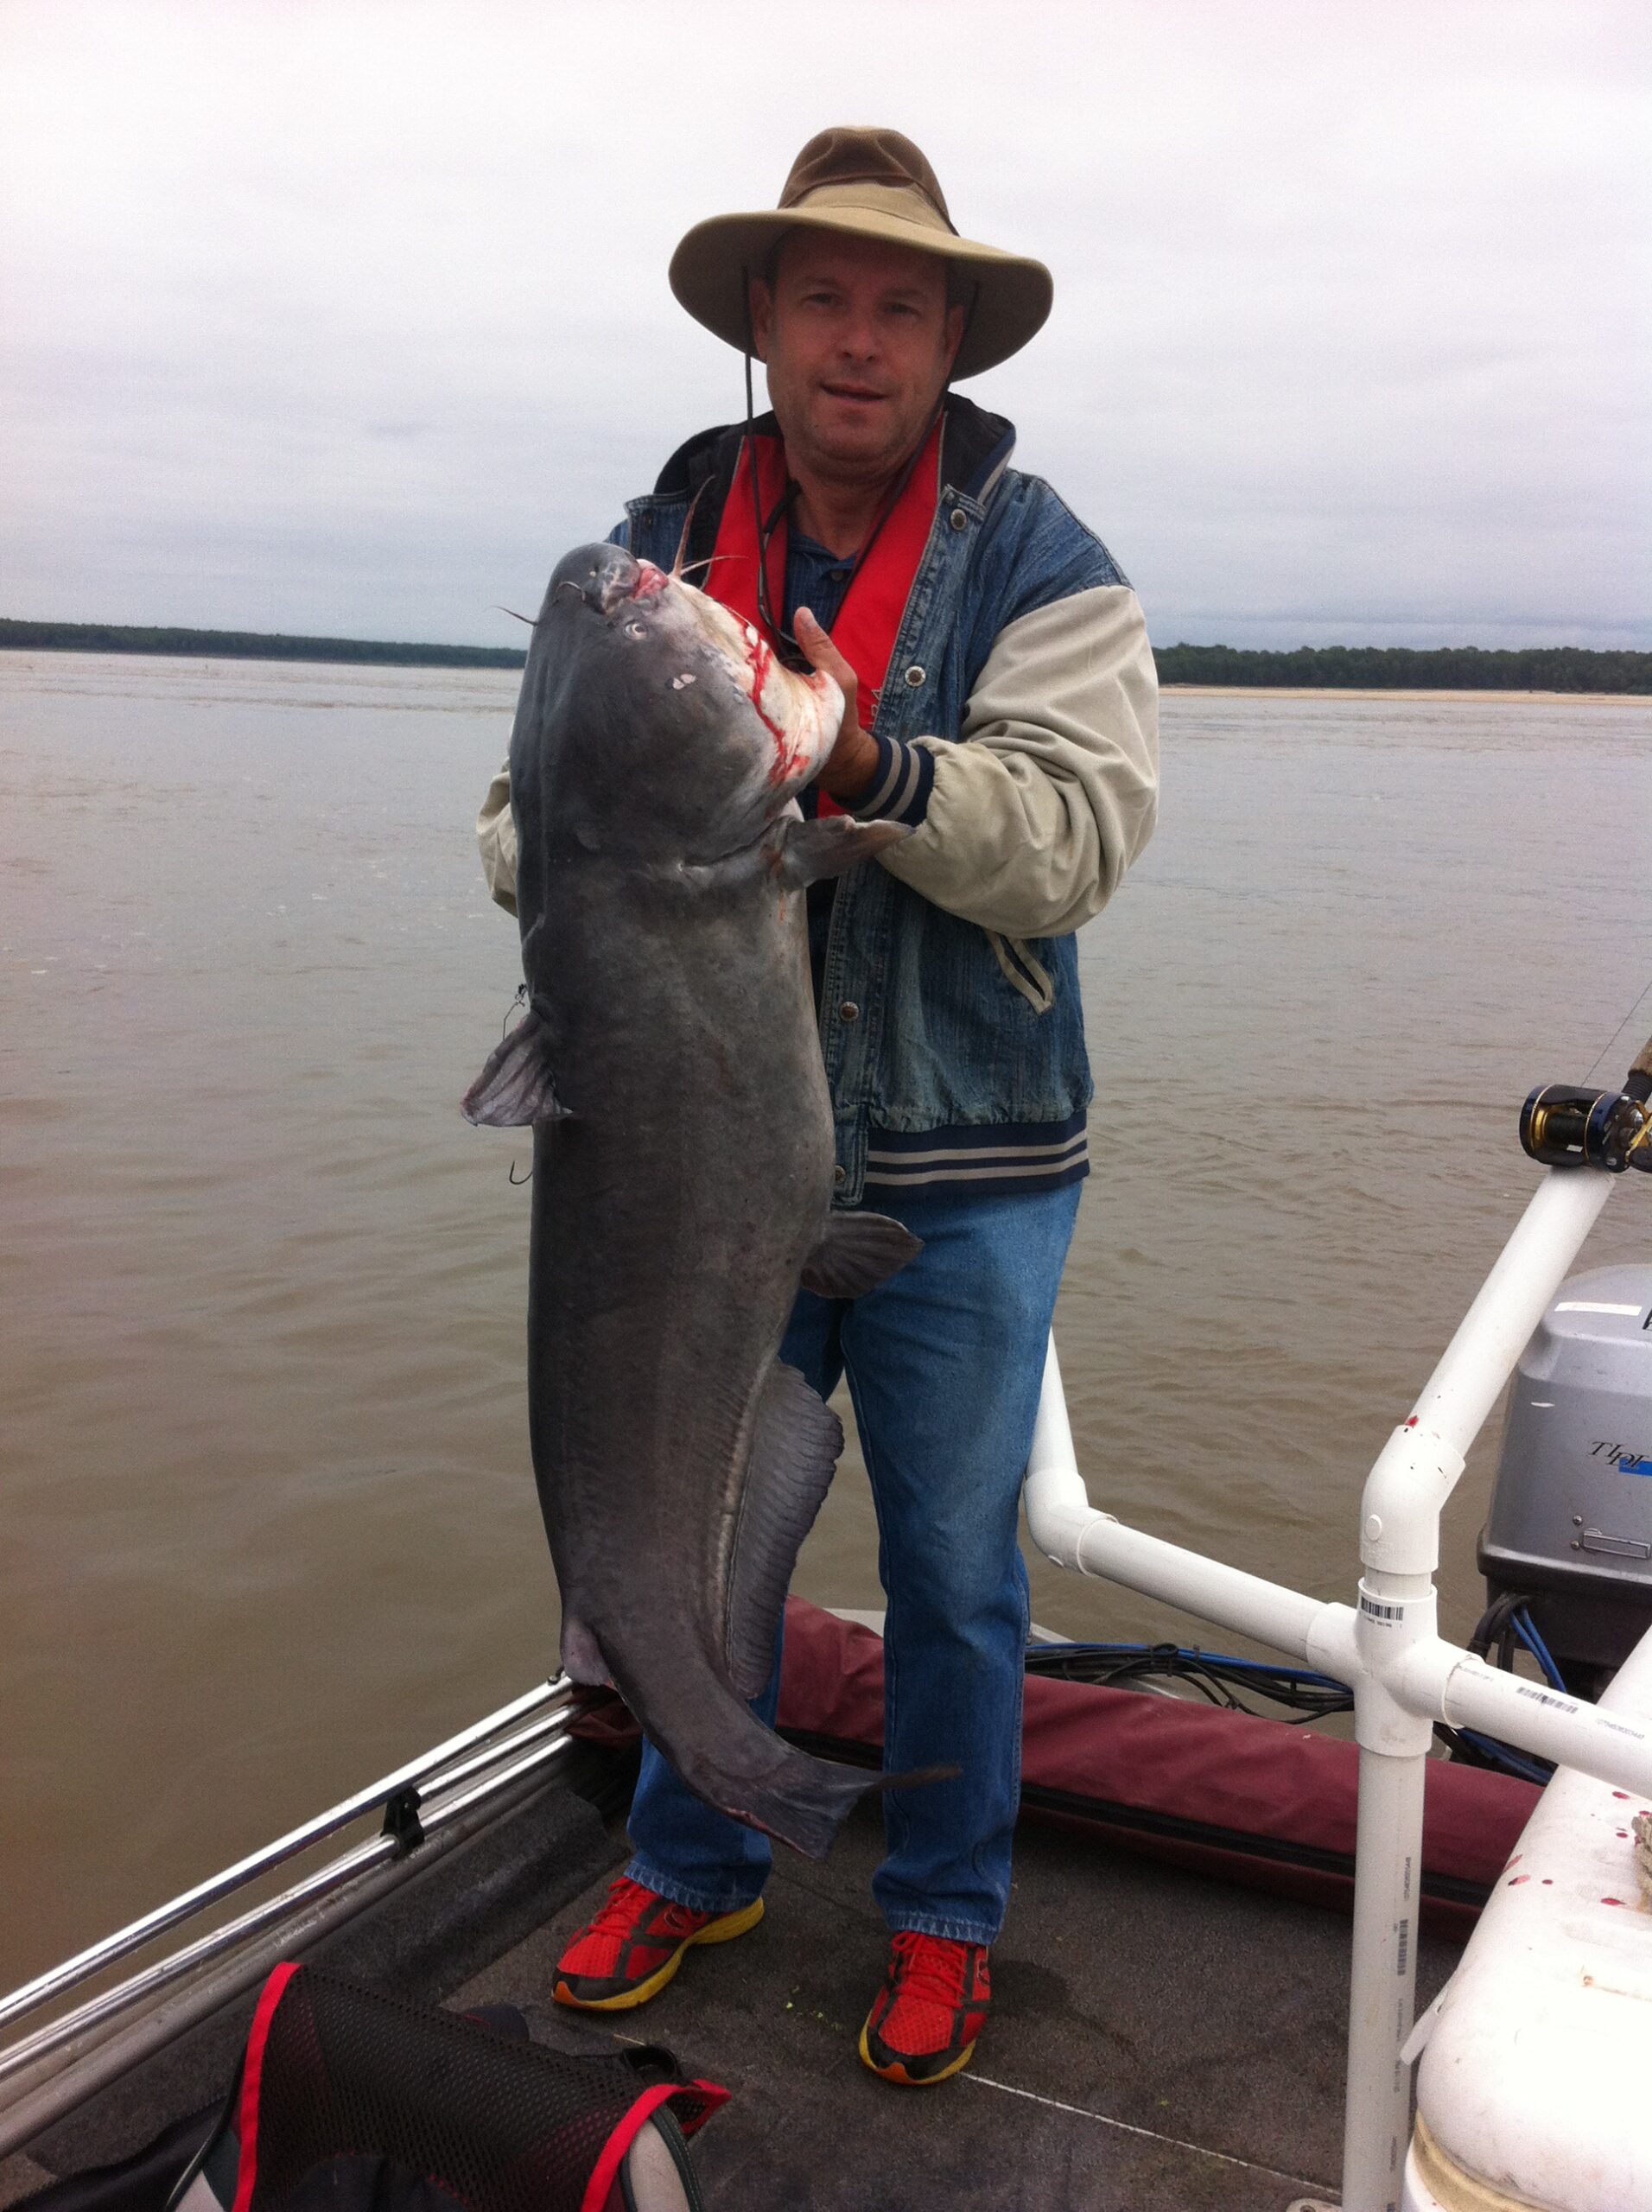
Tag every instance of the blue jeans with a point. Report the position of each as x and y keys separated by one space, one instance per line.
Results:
x=944 y=1362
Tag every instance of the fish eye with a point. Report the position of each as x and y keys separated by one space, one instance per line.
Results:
x=635 y=630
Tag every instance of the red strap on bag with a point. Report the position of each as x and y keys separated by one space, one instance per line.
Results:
x=689 y=2116
x=252 y=2076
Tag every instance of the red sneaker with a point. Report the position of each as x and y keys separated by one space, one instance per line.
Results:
x=932 y=2007
x=635 y=1945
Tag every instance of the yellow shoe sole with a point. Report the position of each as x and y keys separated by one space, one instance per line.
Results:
x=898 y=2072
x=722 y=1931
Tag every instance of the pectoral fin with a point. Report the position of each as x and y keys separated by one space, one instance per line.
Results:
x=814 y=849
x=515 y=1088
x=857 y=1252
x=794 y=1450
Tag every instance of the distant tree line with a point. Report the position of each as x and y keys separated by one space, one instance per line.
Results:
x=1362 y=668
x=1402 y=668
x=244 y=645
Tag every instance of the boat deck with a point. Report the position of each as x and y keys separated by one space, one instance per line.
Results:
x=1162 y=2042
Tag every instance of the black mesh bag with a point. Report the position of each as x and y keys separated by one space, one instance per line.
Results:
x=353 y=2101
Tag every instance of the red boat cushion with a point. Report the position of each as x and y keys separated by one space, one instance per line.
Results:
x=1255 y=1800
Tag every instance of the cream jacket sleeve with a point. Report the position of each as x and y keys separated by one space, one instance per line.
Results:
x=496 y=835
x=1052 y=790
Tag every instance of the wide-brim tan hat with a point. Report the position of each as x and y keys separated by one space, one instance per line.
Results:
x=871 y=184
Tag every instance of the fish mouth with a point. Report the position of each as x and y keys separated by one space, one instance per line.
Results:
x=604 y=578
x=622 y=587
x=649 y=582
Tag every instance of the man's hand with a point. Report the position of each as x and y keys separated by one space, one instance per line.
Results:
x=848 y=770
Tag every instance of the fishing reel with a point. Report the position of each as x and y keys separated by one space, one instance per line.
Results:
x=1564 y=1125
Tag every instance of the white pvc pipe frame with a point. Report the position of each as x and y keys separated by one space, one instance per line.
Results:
x=1405 y=1678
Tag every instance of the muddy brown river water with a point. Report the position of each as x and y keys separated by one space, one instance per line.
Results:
x=266 y=1521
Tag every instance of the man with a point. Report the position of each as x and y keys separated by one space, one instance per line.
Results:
x=1000 y=700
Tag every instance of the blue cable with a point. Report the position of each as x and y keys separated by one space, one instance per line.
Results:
x=1501 y=1755
x=1513 y=1762
x=1526 y=1630
x=1218 y=1658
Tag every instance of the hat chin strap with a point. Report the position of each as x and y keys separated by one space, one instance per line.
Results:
x=763 y=608
x=969 y=321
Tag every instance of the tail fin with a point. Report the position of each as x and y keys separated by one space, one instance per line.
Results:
x=805 y=1801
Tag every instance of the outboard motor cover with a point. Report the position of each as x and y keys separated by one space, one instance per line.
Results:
x=1571 y=1519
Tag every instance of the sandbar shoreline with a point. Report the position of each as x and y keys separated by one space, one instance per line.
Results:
x=1385 y=691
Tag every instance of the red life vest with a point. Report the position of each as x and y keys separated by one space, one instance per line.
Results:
x=869 y=619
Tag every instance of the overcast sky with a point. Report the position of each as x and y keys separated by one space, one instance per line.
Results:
x=332 y=316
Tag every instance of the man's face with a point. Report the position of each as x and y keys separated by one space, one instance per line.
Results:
x=858 y=340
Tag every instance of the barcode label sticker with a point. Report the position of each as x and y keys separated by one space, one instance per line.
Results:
x=1544 y=1697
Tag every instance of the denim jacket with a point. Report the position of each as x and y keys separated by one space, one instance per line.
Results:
x=950 y=1014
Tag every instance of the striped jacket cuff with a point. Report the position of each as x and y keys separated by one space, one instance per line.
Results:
x=901 y=783
x=984 y=1158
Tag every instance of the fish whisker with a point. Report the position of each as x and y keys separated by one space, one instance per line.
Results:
x=687 y=524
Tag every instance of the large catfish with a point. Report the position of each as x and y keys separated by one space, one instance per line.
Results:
x=669 y=1064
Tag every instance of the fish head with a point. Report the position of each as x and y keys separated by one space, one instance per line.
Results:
x=685 y=715
x=799 y=715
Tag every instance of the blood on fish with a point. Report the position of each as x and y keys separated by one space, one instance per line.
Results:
x=787 y=756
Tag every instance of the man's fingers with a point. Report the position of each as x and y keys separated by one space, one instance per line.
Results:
x=818 y=648
x=821 y=653
x=850 y=766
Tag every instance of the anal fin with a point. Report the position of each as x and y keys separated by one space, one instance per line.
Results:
x=515 y=1087
x=856 y=1252
x=795 y=1445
